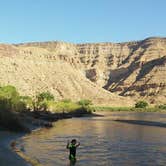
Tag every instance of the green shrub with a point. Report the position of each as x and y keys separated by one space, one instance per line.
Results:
x=41 y=102
x=110 y=108
x=67 y=106
x=43 y=106
x=8 y=92
x=40 y=106
x=28 y=102
x=85 y=102
x=82 y=110
x=5 y=104
x=62 y=106
x=18 y=105
x=163 y=106
x=45 y=96
x=10 y=99
x=141 y=104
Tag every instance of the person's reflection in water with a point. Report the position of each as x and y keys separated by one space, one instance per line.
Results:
x=72 y=162
x=72 y=146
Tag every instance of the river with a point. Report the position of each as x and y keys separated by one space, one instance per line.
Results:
x=104 y=142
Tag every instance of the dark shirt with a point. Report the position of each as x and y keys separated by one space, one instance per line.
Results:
x=72 y=149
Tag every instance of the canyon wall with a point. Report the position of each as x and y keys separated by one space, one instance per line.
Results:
x=103 y=72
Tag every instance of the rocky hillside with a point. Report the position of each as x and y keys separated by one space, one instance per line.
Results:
x=33 y=69
x=135 y=69
x=132 y=69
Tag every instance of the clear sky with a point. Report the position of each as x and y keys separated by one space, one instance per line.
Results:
x=81 y=21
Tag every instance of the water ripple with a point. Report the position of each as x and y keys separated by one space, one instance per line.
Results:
x=103 y=142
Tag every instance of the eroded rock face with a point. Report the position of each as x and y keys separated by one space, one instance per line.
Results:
x=134 y=69
x=33 y=69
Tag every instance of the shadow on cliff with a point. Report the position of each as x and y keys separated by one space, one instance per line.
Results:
x=118 y=76
x=147 y=67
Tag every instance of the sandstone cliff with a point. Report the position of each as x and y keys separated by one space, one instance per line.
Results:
x=134 y=69
x=34 y=69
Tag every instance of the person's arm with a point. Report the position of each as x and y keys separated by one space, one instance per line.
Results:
x=67 y=146
x=78 y=144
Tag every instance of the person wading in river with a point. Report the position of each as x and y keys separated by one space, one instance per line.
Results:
x=72 y=146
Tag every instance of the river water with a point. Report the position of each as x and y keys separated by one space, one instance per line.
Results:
x=104 y=142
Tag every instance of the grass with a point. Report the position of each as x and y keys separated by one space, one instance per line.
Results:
x=63 y=106
x=127 y=109
x=108 y=108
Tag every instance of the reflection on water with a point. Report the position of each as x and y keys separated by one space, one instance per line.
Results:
x=103 y=142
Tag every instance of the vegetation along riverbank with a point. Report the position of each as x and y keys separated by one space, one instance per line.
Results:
x=23 y=114
x=20 y=115
x=140 y=106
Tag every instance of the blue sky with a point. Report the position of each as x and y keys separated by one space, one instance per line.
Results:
x=81 y=21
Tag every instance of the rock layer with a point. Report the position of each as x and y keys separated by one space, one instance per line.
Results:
x=131 y=69
x=33 y=69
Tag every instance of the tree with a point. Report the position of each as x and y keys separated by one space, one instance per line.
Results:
x=8 y=92
x=27 y=100
x=45 y=96
x=10 y=99
x=141 y=104
x=42 y=100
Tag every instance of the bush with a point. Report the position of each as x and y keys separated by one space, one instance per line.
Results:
x=110 y=108
x=28 y=102
x=85 y=102
x=62 y=106
x=45 y=96
x=43 y=106
x=67 y=106
x=18 y=105
x=163 y=106
x=5 y=104
x=82 y=110
x=141 y=104
x=9 y=92
x=41 y=103
x=10 y=99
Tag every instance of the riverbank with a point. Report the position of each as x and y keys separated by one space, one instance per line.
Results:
x=128 y=109
x=10 y=154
